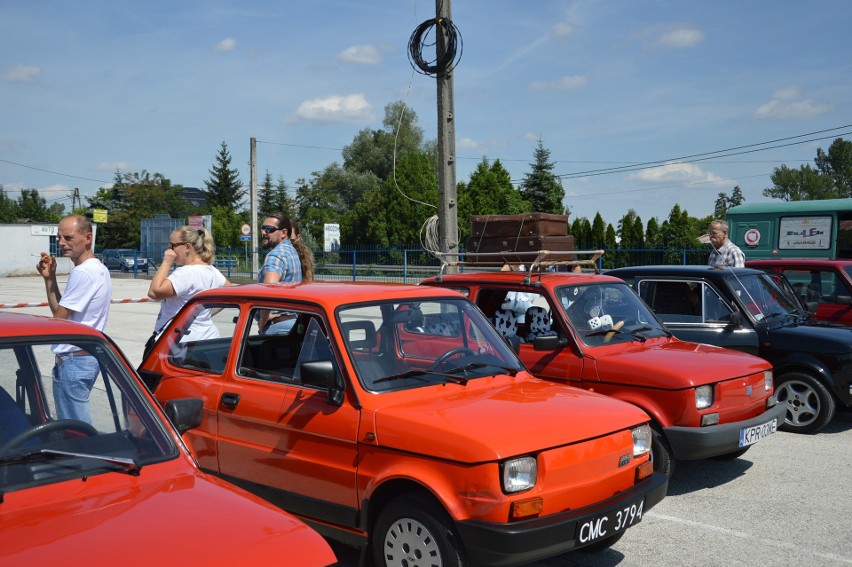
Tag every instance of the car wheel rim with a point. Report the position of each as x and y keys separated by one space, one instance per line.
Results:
x=408 y=543
x=801 y=401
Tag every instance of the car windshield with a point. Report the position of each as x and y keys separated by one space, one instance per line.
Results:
x=39 y=445
x=606 y=313
x=401 y=345
x=765 y=298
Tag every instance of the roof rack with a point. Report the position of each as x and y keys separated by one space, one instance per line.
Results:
x=535 y=261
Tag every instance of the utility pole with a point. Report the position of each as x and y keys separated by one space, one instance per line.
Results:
x=253 y=203
x=448 y=213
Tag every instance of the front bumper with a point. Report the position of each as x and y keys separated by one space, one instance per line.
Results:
x=692 y=443
x=519 y=543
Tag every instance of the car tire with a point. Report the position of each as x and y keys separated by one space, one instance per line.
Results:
x=810 y=406
x=661 y=453
x=731 y=456
x=414 y=525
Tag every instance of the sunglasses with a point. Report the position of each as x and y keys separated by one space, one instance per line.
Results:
x=268 y=229
x=176 y=244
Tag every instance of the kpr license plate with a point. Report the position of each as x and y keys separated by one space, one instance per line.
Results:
x=610 y=524
x=751 y=435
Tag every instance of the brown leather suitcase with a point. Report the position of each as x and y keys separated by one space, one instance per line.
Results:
x=530 y=224
x=562 y=243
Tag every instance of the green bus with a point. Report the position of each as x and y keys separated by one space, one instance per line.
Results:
x=793 y=229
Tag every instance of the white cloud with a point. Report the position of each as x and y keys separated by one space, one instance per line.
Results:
x=467 y=144
x=563 y=84
x=787 y=103
x=22 y=74
x=112 y=166
x=681 y=38
x=227 y=44
x=563 y=29
x=348 y=108
x=361 y=55
x=685 y=173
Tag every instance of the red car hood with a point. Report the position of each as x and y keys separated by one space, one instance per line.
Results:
x=674 y=365
x=493 y=418
x=154 y=519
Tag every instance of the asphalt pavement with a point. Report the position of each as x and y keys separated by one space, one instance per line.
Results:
x=786 y=502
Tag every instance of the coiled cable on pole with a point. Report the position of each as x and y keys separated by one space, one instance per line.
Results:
x=444 y=63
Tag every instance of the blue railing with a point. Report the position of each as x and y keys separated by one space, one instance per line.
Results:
x=410 y=265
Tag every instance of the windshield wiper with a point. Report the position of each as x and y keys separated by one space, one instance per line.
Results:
x=125 y=465
x=419 y=374
x=475 y=365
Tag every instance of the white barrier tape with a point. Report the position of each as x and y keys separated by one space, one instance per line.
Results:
x=46 y=304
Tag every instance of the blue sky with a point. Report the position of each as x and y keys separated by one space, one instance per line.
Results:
x=93 y=86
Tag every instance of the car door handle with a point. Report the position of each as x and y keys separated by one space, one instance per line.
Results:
x=230 y=400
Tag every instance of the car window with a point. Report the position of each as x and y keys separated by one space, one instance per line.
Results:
x=816 y=285
x=203 y=336
x=119 y=422
x=297 y=337
x=604 y=313
x=400 y=345
x=684 y=301
x=762 y=296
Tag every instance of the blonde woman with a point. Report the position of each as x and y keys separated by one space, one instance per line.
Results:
x=192 y=250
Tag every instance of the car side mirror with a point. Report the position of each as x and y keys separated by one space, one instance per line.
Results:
x=551 y=342
x=842 y=300
x=322 y=374
x=735 y=320
x=185 y=413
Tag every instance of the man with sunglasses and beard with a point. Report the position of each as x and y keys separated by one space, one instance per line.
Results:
x=282 y=264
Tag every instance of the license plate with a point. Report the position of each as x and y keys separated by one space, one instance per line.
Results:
x=610 y=524
x=751 y=435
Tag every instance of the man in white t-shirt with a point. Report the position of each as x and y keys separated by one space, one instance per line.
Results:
x=86 y=300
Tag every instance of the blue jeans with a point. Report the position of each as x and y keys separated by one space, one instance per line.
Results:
x=73 y=379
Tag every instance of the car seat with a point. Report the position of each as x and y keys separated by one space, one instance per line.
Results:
x=506 y=322
x=538 y=323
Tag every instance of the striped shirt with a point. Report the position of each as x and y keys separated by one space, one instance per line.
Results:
x=728 y=255
x=285 y=260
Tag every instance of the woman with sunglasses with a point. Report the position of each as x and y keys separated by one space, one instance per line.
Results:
x=192 y=250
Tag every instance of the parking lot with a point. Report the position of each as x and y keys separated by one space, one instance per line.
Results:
x=785 y=502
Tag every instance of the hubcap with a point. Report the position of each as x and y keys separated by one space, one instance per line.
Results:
x=801 y=401
x=408 y=543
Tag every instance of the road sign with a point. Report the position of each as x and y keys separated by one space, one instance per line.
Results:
x=245 y=230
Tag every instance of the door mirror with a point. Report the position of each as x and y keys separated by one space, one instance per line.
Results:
x=322 y=374
x=185 y=413
x=551 y=342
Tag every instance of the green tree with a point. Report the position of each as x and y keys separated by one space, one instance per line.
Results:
x=832 y=178
x=721 y=206
x=32 y=206
x=837 y=165
x=266 y=197
x=226 y=223
x=652 y=233
x=541 y=187
x=737 y=197
x=488 y=192
x=132 y=197
x=224 y=188
x=597 y=236
x=376 y=151
x=676 y=234
x=8 y=207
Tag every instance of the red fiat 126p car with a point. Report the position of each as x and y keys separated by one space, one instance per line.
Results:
x=120 y=488
x=593 y=331
x=394 y=418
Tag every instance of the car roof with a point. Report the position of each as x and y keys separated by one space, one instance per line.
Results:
x=22 y=324
x=328 y=294
x=516 y=277
x=683 y=271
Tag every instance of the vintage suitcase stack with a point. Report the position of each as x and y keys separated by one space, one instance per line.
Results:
x=521 y=233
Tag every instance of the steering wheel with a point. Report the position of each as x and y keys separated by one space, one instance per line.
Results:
x=449 y=354
x=48 y=427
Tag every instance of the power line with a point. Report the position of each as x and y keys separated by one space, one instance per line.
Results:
x=54 y=172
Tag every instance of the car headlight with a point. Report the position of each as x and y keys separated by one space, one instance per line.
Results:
x=703 y=397
x=519 y=474
x=130 y=261
x=641 y=440
x=767 y=380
